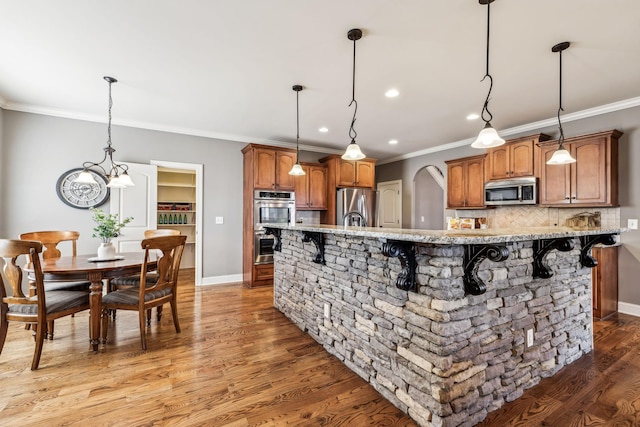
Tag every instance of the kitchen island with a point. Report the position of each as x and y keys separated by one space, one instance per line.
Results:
x=447 y=325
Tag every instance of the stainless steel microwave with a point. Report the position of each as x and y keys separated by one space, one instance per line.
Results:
x=518 y=191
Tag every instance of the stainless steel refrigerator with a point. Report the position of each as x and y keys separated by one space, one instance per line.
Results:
x=357 y=207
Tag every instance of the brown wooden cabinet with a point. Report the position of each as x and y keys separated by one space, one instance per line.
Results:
x=465 y=182
x=265 y=168
x=311 y=189
x=359 y=173
x=604 y=279
x=516 y=158
x=271 y=168
x=591 y=181
x=345 y=174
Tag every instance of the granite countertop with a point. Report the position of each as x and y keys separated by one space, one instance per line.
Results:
x=448 y=237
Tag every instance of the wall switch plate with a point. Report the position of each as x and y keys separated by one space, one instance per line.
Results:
x=632 y=224
x=529 y=338
x=219 y=220
x=327 y=310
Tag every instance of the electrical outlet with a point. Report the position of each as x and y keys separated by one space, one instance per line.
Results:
x=421 y=219
x=529 y=338
x=327 y=310
x=632 y=224
x=219 y=220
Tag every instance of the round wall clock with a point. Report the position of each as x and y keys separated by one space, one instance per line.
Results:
x=80 y=195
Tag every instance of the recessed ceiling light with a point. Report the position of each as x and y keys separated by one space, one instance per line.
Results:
x=473 y=116
x=323 y=129
x=391 y=93
x=393 y=141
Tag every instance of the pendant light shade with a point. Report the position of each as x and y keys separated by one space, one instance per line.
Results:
x=488 y=136
x=297 y=169
x=561 y=156
x=353 y=151
x=117 y=175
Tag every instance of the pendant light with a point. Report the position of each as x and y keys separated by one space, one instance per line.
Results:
x=488 y=136
x=561 y=156
x=117 y=175
x=353 y=151
x=297 y=169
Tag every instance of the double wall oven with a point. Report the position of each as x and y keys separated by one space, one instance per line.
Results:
x=270 y=207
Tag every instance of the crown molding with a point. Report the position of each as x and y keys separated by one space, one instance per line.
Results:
x=164 y=128
x=578 y=115
x=534 y=126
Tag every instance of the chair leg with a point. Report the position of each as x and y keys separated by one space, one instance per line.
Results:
x=174 y=313
x=40 y=334
x=143 y=331
x=149 y=317
x=4 y=327
x=104 y=326
x=159 y=313
x=50 y=329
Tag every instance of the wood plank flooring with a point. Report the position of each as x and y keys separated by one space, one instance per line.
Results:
x=239 y=362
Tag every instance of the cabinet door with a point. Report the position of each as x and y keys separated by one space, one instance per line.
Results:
x=455 y=185
x=589 y=182
x=301 y=189
x=474 y=183
x=365 y=174
x=555 y=180
x=521 y=159
x=346 y=173
x=605 y=281
x=317 y=187
x=284 y=162
x=264 y=174
x=499 y=162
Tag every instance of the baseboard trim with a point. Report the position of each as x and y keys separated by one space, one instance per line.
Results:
x=626 y=308
x=217 y=280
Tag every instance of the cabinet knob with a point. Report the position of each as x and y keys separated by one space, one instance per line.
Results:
x=573 y=197
x=566 y=198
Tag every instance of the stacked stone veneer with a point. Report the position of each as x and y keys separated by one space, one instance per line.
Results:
x=444 y=358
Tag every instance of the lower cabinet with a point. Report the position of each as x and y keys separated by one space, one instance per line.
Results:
x=262 y=275
x=604 y=280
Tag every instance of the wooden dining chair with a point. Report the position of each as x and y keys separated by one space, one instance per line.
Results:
x=143 y=298
x=50 y=240
x=39 y=309
x=152 y=277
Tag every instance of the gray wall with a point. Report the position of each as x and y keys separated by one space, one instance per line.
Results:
x=36 y=149
x=627 y=121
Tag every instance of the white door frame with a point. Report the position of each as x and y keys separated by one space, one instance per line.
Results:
x=198 y=168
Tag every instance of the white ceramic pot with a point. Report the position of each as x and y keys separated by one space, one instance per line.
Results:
x=107 y=251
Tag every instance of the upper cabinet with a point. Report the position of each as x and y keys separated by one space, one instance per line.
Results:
x=345 y=174
x=311 y=188
x=271 y=168
x=516 y=158
x=465 y=182
x=591 y=181
x=359 y=173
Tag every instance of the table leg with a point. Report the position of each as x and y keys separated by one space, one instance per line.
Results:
x=95 y=302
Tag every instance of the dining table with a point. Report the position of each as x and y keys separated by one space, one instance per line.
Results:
x=89 y=268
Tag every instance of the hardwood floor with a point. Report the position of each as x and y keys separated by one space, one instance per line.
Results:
x=239 y=362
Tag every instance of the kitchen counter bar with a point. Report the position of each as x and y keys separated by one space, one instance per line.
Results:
x=446 y=325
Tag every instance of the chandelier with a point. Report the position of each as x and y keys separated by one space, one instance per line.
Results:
x=117 y=174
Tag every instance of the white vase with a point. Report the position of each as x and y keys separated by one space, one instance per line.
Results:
x=107 y=251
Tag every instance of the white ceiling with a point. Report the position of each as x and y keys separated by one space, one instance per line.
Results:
x=224 y=68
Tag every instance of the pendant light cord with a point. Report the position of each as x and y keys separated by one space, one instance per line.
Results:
x=352 y=132
x=485 y=108
x=561 y=139
x=297 y=128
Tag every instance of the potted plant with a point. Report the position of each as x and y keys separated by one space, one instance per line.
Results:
x=108 y=226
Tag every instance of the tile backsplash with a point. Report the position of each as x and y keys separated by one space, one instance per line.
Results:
x=532 y=216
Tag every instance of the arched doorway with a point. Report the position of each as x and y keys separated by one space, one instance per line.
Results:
x=428 y=199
